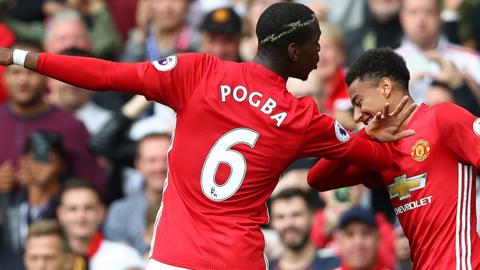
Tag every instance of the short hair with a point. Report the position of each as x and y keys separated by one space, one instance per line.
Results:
x=60 y=17
x=47 y=227
x=284 y=23
x=290 y=193
x=375 y=64
x=154 y=135
x=73 y=183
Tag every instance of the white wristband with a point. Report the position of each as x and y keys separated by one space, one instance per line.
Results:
x=19 y=57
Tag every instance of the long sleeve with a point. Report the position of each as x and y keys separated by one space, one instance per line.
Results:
x=170 y=81
x=329 y=174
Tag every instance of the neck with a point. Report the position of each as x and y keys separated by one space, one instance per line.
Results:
x=431 y=44
x=409 y=102
x=27 y=110
x=80 y=245
x=272 y=63
x=42 y=194
x=153 y=197
x=298 y=259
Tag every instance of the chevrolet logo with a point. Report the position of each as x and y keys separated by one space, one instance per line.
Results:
x=403 y=186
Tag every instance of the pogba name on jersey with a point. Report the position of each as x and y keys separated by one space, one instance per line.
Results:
x=266 y=105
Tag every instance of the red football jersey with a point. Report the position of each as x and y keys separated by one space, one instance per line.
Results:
x=432 y=186
x=237 y=130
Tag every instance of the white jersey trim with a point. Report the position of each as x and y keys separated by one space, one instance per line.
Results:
x=160 y=210
x=463 y=241
x=156 y=265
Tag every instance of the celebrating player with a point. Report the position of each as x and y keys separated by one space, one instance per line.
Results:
x=432 y=184
x=237 y=130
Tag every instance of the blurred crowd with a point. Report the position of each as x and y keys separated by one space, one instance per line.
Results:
x=82 y=173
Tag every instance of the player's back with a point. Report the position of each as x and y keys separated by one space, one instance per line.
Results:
x=237 y=133
x=433 y=188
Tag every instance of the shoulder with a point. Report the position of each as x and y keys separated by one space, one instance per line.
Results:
x=447 y=111
x=134 y=202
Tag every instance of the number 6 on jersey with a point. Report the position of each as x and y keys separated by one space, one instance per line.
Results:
x=221 y=153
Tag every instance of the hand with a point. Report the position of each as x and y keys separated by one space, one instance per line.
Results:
x=453 y=5
x=7 y=177
x=144 y=14
x=6 y=56
x=34 y=172
x=386 y=126
x=402 y=248
x=448 y=73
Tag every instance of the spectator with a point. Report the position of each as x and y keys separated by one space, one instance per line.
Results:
x=102 y=31
x=338 y=202
x=47 y=248
x=292 y=218
x=358 y=240
x=67 y=30
x=78 y=101
x=81 y=213
x=421 y=23
x=346 y=14
x=381 y=29
x=150 y=219
x=125 y=220
x=40 y=174
x=161 y=30
x=221 y=32
x=249 y=43
x=27 y=111
x=6 y=40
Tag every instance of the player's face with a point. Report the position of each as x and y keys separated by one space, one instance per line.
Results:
x=81 y=213
x=292 y=219
x=358 y=244
x=45 y=253
x=367 y=100
x=25 y=87
x=309 y=55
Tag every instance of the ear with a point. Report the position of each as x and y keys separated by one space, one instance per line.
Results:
x=386 y=86
x=293 y=52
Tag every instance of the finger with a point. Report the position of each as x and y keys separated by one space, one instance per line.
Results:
x=386 y=109
x=400 y=106
x=404 y=134
x=406 y=113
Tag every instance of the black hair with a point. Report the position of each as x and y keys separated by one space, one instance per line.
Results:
x=284 y=23
x=375 y=64
x=74 y=183
x=154 y=135
x=290 y=193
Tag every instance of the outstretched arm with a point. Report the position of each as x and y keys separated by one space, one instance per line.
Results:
x=170 y=81
x=88 y=73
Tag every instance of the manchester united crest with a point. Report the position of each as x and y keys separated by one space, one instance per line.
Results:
x=420 y=150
